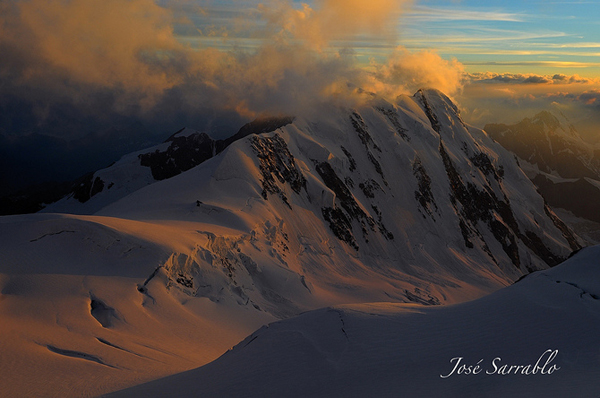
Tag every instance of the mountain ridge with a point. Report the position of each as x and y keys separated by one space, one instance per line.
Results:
x=181 y=151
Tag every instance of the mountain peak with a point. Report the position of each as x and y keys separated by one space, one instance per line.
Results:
x=548 y=119
x=545 y=142
x=437 y=99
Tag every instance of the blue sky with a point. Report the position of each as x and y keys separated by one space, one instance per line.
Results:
x=511 y=36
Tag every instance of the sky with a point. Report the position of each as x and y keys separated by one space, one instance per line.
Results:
x=505 y=60
x=79 y=75
x=544 y=37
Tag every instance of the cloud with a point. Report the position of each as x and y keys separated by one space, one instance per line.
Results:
x=534 y=64
x=407 y=72
x=273 y=79
x=123 y=56
x=588 y=98
x=331 y=20
x=509 y=98
x=77 y=67
x=428 y=14
x=510 y=78
x=121 y=45
x=535 y=79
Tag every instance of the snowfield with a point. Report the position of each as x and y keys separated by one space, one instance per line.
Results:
x=74 y=323
x=536 y=338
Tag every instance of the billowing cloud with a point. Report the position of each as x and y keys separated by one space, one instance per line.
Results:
x=123 y=56
x=74 y=67
x=121 y=45
x=407 y=72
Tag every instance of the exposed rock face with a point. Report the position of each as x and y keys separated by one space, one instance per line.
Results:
x=489 y=204
x=393 y=118
x=277 y=163
x=363 y=132
x=477 y=205
x=435 y=124
x=340 y=218
x=183 y=154
x=389 y=201
x=360 y=205
x=188 y=151
x=88 y=187
x=423 y=194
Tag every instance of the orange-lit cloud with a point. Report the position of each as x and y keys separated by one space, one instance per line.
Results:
x=406 y=72
x=126 y=50
x=509 y=98
x=528 y=78
x=333 y=20
x=124 y=45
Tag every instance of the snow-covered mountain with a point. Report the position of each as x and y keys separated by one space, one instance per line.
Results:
x=564 y=167
x=398 y=194
x=180 y=152
x=536 y=338
x=398 y=202
x=387 y=188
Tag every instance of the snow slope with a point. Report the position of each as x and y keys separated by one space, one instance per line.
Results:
x=391 y=350
x=73 y=322
x=397 y=202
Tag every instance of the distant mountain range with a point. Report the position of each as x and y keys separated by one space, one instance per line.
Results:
x=564 y=167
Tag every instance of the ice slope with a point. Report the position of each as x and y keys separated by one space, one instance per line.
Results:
x=402 y=350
